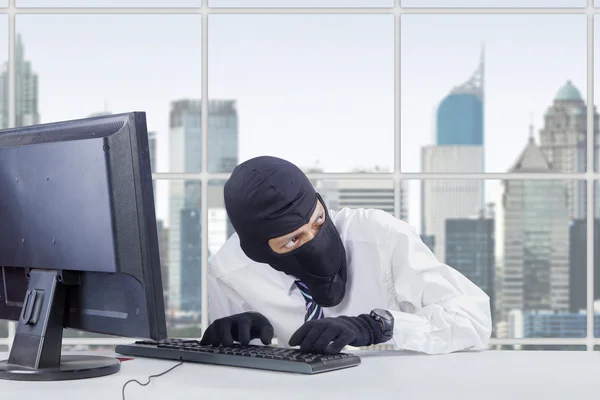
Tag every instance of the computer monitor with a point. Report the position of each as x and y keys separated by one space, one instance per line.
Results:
x=78 y=242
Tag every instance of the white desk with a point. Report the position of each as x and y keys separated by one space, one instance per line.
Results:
x=505 y=375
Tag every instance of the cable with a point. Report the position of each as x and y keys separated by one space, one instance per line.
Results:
x=149 y=378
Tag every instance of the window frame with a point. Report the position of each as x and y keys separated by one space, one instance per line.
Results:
x=591 y=176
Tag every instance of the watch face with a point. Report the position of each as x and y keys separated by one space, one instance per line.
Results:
x=385 y=314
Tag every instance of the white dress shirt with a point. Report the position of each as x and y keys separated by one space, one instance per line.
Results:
x=436 y=309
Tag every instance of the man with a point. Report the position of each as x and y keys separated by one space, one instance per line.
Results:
x=322 y=280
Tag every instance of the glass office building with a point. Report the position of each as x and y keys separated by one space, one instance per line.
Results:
x=185 y=151
x=460 y=115
x=547 y=324
x=460 y=120
x=470 y=250
x=532 y=240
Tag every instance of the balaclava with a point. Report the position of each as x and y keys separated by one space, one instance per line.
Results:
x=267 y=197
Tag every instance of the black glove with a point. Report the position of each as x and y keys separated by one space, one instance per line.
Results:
x=240 y=328
x=316 y=336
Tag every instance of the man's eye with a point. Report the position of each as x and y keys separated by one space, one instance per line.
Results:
x=291 y=243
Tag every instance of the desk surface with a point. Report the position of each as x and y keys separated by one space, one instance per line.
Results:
x=482 y=375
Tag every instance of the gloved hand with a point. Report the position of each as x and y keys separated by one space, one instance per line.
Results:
x=316 y=336
x=241 y=328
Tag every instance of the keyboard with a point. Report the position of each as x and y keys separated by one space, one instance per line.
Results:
x=258 y=357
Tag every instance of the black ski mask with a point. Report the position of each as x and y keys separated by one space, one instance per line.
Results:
x=267 y=197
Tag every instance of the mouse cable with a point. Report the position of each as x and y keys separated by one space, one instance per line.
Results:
x=149 y=378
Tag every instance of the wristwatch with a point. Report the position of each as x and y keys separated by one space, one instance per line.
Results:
x=386 y=320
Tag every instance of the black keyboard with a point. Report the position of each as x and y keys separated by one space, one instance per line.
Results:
x=258 y=357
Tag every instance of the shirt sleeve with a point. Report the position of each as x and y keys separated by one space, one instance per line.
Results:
x=223 y=300
x=439 y=309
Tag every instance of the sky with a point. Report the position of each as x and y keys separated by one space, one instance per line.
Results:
x=309 y=88
x=3 y=42
x=527 y=60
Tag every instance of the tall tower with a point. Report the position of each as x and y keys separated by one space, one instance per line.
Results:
x=563 y=140
x=532 y=240
x=458 y=149
x=185 y=155
x=460 y=115
x=185 y=148
x=26 y=90
x=470 y=250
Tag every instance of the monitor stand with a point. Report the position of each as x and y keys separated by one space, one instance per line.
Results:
x=36 y=351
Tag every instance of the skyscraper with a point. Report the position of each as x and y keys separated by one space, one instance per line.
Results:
x=163 y=250
x=429 y=241
x=563 y=140
x=185 y=155
x=550 y=324
x=26 y=90
x=470 y=250
x=152 y=148
x=185 y=148
x=458 y=149
x=449 y=198
x=377 y=194
x=578 y=264
x=223 y=144
x=191 y=259
x=153 y=160
x=532 y=240
x=460 y=115
x=222 y=135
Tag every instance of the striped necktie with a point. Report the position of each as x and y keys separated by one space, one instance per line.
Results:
x=313 y=310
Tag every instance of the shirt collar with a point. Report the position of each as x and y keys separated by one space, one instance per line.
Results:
x=292 y=285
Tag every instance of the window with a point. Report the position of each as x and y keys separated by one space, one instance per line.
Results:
x=481 y=75
x=307 y=88
x=385 y=104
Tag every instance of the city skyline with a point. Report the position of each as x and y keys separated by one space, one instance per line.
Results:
x=459 y=70
x=523 y=74
x=531 y=231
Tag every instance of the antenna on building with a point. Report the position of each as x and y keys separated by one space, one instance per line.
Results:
x=105 y=106
x=531 y=129
x=482 y=69
x=475 y=83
